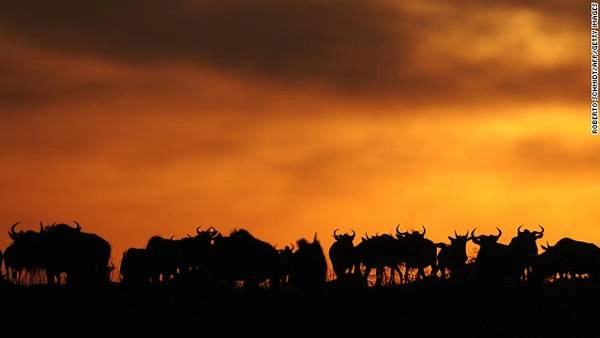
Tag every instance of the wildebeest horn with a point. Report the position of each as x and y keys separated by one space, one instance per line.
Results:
x=12 y=233
x=367 y=236
x=212 y=229
x=424 y=230
x=41 y=226
x=499 y=233
x=335 y=235
x=78 y=225
x=400 y=233
x=292 y=247
x=455 y=234
x=519 y=229
x=546 y=247
x=474 y=237
x=353 y=234
x=198 y=229
x=473 y=233
x=315 y=237
x=539 y=234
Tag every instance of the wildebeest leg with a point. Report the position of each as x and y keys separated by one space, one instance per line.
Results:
x=251 y=283
x=380 y=275
x=434 y=270
x=49 y=277
x=420 y=273
x=399 y=274
x=406 y=272
x=274 y=282
x=357 y=271
x=367 y=272
x=396 y=268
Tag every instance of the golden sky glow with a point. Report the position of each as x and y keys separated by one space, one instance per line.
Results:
x=290 y=117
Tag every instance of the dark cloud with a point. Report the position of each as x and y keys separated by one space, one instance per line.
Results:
x=546 y=154
x=346 y=42
x=355 y=48
x=565 y=9
x=22 y=87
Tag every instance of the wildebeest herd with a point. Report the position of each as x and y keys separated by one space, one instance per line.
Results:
x=65 y=254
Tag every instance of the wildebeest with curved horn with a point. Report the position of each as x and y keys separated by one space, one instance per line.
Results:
x=342 y=253
x=549 y=264
x=242 y=257
x=493 y=259
x=60 y=248
x=166 y=258
x=419 y=252
x=309 y=266
x=453 y=256
x=378 y=252
x=84 y=257
x=523 y=249
x=574 y=257
x=23 y=255
x=195 y=250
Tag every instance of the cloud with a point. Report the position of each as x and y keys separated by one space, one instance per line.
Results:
x=455 y=50
x=341 y=41
x=549 y=155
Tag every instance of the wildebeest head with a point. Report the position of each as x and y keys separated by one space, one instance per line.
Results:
x=61 y=229
x=21 y=235
x=547 y=247
x=287 y=250
x=483 y=240
x=209 y=234
x=344 y=237
x=411 y=235
x=26 y=250
x=310 y=248
x=459 y=240
x=524 y=244
x=309 y=267
x=530 y=236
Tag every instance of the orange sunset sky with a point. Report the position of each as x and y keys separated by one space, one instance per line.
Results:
x=289 y=117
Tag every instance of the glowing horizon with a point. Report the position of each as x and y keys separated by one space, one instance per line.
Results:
x=294 y=117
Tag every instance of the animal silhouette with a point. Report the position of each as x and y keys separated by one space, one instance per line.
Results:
x=343 y=254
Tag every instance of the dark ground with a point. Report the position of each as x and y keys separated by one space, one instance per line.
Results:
x=430 y=308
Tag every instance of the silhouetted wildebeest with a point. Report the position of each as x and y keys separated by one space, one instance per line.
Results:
x=195 y=251
x=136 y=267
x=453 y=256
x=57 y=249
x=242 y=257
x=84 y=257
x=309 y=266
x=23 y=255
x=379 y=252
x=493 y=259
x=285 y=263
x=342 y=254
x=166 y=258
x=549 y=264
x=568 y=257
x=419 y=252
x=523 y=249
